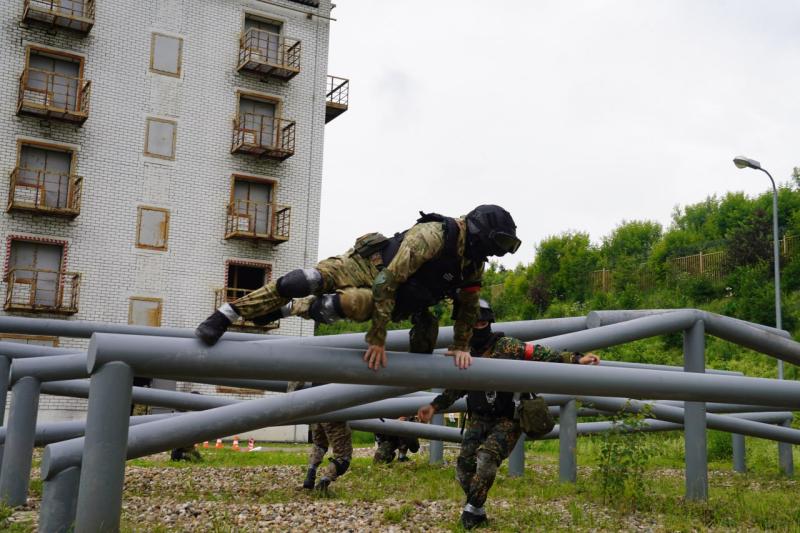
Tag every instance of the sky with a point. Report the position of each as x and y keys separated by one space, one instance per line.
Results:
x=573 y=115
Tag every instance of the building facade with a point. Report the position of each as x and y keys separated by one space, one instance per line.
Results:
x=158 y=158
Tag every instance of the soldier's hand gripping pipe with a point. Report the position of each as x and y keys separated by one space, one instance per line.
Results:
x=439 y=257
x=494 y=425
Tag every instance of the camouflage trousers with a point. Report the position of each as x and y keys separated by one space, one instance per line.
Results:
x=387 y=446
x=337 y=435
x=348 y=271
x=486 y=443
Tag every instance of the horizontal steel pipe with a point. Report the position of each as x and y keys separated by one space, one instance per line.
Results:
x=50 y=368
x=749 y=336
x=188 y=428
x=728 y=423
x=168 y=357
x=665 y=368
x=604 y=318
x=47 y=432
x=18 y=350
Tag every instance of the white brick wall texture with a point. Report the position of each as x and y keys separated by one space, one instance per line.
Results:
x=195 y=187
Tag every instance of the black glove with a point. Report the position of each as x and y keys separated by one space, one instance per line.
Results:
x=211 y=329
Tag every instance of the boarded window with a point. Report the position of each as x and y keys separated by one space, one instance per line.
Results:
x=153 y=228
x=144 y=311
x=39 y=340
x=160 y=138
x=165 y=54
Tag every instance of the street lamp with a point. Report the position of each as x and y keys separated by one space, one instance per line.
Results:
x=745 y=162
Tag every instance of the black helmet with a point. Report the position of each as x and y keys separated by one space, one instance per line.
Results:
x=485 y=314
x=491 y=231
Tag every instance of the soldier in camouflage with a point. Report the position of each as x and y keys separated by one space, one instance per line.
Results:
x=337 y=435
x=387 y=444
x=492 y=430
x=439 y=257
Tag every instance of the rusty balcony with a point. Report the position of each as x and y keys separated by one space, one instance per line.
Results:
x=264 y=136
x=269 y=54
x=337 y=96
x=258 y=221
x=230 y=294
x=51 y=95
x=77 y=15
x=44 y=192
x=42 y=291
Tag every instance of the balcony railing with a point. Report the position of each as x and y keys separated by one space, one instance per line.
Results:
x=45 y=291
x=337 y=96
x=52 y=95
x=75 y=15
x=258 y=220
x=264 y=136
x=230 y=294
x=269 y=54
x=42 y=191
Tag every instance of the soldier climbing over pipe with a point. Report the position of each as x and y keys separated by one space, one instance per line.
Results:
x=495 y=421
x=438 y=257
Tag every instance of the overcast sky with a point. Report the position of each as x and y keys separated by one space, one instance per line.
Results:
x=573 y=115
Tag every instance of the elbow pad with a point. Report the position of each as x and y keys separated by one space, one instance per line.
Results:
x=383 y=286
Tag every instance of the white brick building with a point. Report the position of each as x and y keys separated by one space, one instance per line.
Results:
x=155 y=153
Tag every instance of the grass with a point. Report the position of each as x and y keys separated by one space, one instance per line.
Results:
x=758 y=500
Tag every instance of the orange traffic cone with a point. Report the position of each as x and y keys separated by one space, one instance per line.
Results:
x=219 y=443
x=251 y=444
x=205 y=444
x=236 y=443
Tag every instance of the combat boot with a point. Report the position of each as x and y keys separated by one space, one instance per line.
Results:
x=402 y=458
x=213 y=327
x=323 y=486
x=470 y=519
x=311 y=477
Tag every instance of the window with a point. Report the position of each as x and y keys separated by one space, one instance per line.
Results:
x=252 y=204
x=144 y=311
x=244 y=278
x=152 y=228
x=159 y=139
x=43 y=176
x=54 y=80
x=257 y=121
x=38 y=340
x=263 y=37
x=35 y=273
x=166 y=54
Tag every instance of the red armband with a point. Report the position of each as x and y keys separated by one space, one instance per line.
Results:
x=530 y=349
x=471 y=288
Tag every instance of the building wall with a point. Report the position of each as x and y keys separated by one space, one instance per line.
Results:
x=195 y=187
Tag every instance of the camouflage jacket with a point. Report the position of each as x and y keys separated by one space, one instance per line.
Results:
x=509 y=348
x=422 y=243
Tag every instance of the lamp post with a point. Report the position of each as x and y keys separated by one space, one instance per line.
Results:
x=744 y=162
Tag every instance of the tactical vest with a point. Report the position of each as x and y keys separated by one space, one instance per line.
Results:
x=491 y=404
x=437 y=279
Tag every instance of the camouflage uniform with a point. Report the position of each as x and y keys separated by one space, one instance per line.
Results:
x=387 y=444
x=347 y=273
x=339 y=437
x=488 y=440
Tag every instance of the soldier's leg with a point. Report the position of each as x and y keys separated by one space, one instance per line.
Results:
x=351 y=304
x=466 y=464
x=341 y=439
x=319 y=445
x=499 y=442
x=424 y=332
x=385 y=452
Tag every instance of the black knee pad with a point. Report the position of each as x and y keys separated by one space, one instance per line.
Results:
x=326 y=309
x=298 y=283
x=341 y=465
x=468 y=465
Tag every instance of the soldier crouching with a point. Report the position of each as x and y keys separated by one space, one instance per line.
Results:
x=388 y=444
x=338 y=436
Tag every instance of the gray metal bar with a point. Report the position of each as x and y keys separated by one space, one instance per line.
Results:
x=5 y=365
x=436 y=448
x=103 y=463
x=604 y=318
x=59 y=500
x=50 y=368
x=743 y=423
x=47 y=432
x=739 y=451
x=18 y=453
x=694 y=417
x=17 y=350
x=169 y=357
x=516 y=461
x=568 y=443
x=750 y=336
x=666 y=368
x=785 y=459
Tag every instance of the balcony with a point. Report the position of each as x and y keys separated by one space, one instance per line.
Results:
x=230 y=294
x=42 y=291
x=51 y=95
x=75 y=15
x=258 y=221
x=47 y=193
x=269 y=54
x=337 y=95
x=263 y=136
